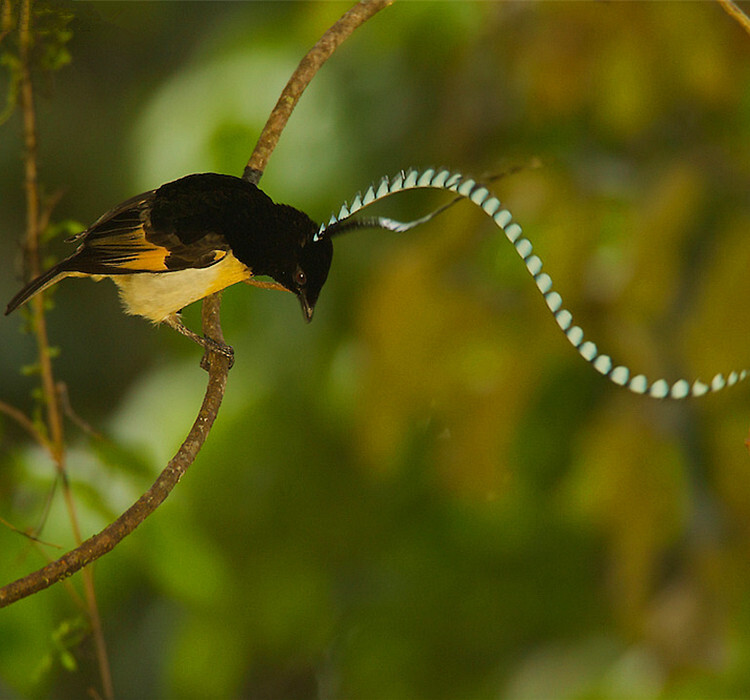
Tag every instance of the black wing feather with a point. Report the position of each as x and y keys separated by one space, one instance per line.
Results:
x=124 y=241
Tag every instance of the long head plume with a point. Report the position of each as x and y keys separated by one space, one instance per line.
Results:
x=478 y=193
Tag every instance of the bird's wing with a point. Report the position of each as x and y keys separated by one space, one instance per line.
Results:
x=124 y=241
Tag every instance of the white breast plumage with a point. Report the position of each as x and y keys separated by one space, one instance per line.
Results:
x=157 y=295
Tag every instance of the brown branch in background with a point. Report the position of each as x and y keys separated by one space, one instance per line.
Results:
x=301 y=78
x=33 y=232
x=28 y=535
x=27 y=424
x=733 y=10
x=6 y=19
x=104 y=541
x=71 y=415
x=35 y=221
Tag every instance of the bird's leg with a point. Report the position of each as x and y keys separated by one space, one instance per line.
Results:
x=174 y=321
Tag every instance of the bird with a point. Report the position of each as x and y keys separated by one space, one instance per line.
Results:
x=172 y=246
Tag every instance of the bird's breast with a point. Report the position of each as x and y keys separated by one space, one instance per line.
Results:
x=157 y=295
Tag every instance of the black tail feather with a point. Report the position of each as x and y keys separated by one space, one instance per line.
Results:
x=35 y=286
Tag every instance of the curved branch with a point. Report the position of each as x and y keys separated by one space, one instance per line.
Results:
x=301 y=78
x=734 y=11
x=104 y=541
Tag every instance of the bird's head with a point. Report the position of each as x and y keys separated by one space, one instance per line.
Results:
x=305 y=270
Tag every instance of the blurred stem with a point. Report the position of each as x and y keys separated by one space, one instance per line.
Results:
x=51 y=398
x=301 y=78
x=27 y=424
x=6 y=19
x=733 y=10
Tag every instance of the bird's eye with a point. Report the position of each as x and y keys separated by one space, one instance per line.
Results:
x=300 y=278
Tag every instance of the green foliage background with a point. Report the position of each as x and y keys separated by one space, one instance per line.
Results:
x=425 y=493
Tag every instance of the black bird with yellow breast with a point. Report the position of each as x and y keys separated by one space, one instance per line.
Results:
x=169 y=247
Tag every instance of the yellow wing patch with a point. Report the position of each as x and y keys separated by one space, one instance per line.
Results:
x=125 y=248
x=147 y=257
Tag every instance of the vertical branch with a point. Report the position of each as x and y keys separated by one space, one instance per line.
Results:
x=33 y=262
x=6 y=19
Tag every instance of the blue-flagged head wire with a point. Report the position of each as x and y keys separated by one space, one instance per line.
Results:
x=479 y=194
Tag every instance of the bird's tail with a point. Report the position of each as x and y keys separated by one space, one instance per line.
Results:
x=47 y=279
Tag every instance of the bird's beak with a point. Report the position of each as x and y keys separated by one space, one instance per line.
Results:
x=307 y=307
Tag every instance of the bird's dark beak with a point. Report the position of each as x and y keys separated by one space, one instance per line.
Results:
x=307 y=307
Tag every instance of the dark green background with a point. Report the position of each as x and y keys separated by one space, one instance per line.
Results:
x=425 y=493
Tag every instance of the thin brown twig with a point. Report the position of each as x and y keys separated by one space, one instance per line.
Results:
x=6 y=19
x=39 y=545
x=35 y=218
x=69 y=411
x=45 y=215
x=301 y=78
x=75 y=596
x=28 y=535
x=734 y=11
x=27 y=424
x=31 y=187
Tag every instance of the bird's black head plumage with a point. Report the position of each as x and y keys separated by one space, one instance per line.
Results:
x=271 y=239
